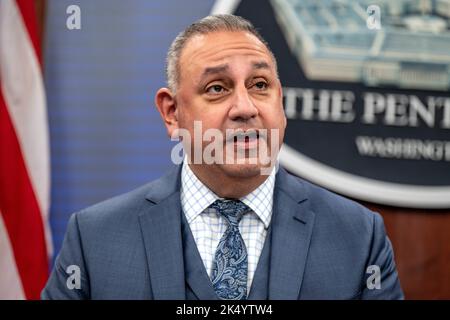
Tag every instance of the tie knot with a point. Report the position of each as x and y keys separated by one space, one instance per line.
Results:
x=231 y=210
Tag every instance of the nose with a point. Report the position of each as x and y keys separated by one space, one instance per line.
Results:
x=243 y=107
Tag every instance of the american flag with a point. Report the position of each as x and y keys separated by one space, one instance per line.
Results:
x=25 y=241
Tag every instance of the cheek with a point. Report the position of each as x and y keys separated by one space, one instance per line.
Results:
x=188 y=113
x=211 y=116
x=201 y=121
x=211 y=122
x=274 y=116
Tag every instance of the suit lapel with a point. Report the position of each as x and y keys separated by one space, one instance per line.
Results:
x=161 y=231
x=292 y=224
x=260 y=283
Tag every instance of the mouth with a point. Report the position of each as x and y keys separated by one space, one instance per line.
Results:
x=245 y=139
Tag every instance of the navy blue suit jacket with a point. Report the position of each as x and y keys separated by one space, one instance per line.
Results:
x=131 y=247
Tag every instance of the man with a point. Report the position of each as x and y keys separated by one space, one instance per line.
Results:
x=228 y=224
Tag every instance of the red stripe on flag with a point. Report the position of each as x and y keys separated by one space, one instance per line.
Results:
x=28 y=11
x=20 y=210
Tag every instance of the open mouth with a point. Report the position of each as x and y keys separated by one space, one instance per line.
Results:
x=246 y=136
x=245 y=139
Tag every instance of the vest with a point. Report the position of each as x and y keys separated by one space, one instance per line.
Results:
x=198 y=283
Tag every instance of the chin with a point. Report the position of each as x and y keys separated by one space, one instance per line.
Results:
x=246 y=170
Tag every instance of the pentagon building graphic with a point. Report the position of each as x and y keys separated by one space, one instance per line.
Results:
x=333 y=41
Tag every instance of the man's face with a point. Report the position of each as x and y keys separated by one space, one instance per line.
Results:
x=228 y=81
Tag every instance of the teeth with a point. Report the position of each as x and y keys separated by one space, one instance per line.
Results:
x=244 y=135
x=249 y=133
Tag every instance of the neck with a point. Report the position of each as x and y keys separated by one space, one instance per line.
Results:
x=226 y=186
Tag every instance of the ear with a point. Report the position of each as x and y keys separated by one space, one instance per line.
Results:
x=167 y=107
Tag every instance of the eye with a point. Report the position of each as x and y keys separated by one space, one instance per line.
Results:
x=261 y=85
x=215 y=89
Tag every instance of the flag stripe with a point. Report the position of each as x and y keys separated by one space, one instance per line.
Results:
x=22 y=218
x=11 y=286
x=24 y=161
x=24 y=95
x=28 y=11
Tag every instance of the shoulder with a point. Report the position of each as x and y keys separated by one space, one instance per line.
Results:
x=330 y=208
x=346 y=236
x=126 y=208
x=123 y=205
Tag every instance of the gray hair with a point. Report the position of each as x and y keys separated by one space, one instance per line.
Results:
x=209 y=24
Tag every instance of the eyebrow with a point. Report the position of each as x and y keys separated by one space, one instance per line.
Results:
x=260 y=65
x=224 y=67
x=214 y=70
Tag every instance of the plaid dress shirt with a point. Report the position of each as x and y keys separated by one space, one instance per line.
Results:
x=208 y=226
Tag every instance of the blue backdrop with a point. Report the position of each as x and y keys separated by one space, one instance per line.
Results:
x=106 y=134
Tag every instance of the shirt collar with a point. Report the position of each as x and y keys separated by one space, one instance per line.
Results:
x=196 y=197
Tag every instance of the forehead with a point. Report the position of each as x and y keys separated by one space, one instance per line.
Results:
x=222 y=46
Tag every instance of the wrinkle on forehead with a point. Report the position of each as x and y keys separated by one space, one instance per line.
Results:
x=217 y=47
x=227 y=38
x=221 y=52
